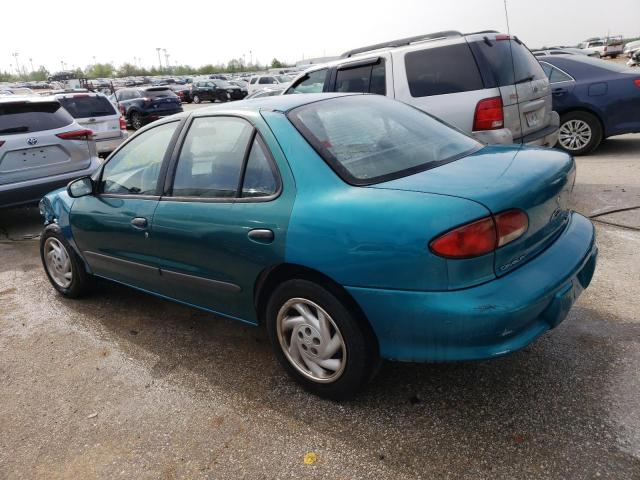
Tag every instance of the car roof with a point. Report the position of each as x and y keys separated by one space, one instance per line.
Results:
x=277 y=103
x=27 y=98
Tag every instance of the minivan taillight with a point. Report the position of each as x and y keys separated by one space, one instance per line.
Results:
x=76 y=135
x=637 y=82
x=481 y=236
x=123 y=123
x=489 y=114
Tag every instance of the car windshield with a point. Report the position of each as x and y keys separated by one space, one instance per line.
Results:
x=368 y=139
x=84 y=106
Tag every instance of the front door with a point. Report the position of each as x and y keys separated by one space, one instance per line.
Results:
x=113 y=227
x=225 y=217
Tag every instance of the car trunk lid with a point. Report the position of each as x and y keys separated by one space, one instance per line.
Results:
x=535 y=180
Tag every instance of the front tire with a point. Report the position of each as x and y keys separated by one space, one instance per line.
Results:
x=580 y=132
x=64 y=268
x=196 y=99
x=319 y=341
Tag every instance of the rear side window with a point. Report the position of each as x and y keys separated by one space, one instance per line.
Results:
x=437 y=71
x=211 y=158
x=310 y=83
x=365 y=79
x=553 y=74
x=84 y=106
x=260 y=178
x=24 y=117
x=497 y=54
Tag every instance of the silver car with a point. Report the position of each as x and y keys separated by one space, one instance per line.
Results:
x=485 y=83
x=41 y=148
x=95 y=112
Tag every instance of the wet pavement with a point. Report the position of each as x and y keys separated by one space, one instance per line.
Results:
x=124 y=385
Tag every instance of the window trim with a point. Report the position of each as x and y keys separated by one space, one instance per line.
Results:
x=167 y=191
x=97 y=178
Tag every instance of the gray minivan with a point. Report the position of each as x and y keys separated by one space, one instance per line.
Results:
x=487 y=83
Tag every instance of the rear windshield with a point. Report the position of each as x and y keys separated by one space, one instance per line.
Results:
x=159 y=92
x=87 y=106
x=497 y=54
x=368 y=139
x=25 y=117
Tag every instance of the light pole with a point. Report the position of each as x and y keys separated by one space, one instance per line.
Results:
x=31 y=62
x=15 y=55
x=250 y=57
x=159 y=60
x=166 y=57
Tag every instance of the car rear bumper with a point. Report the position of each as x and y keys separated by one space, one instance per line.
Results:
x=108 y=145
x=31 y=191
x=489 y=320
x=545 y=137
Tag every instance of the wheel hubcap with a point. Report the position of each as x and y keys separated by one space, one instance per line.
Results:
x=311 y=341
x=58 y=263
x=575 y=134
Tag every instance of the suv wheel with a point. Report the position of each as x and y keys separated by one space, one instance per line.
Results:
x=136 y=120
x=196 y=99
x=64 y=269
x=580 y=133
x=319 y=341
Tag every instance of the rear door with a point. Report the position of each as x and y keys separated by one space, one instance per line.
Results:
x=40 y=139
x=94 y=112
x=524 y=88
x=371 y=75
x=224 y=219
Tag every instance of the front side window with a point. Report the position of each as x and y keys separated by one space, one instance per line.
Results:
x=135 y=168
x=369 y=139
x=253 y=80
x=260 y=178
x=211 y=158
x=313 y=82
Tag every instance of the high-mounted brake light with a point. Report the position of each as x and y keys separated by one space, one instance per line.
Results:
x=481 y=236
x=503 y=37
x=80 y=95
x=489 y=114
x=76 y=135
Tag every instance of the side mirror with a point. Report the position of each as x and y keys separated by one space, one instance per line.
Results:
x=80 y=187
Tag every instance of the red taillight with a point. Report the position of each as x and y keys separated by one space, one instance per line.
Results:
x=489 y=114
x=81 y=95
x=481 y=236
x=510 y=225
x=503 y=37
x=76 y=135
x=470 y=240
x=123 y=123
x=123 y=111
x=637 y=82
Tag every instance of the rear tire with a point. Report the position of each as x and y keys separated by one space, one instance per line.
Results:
x=196 y=99
x=319 y=341
x=64 y=268
x=580 y=132
x=136 y=120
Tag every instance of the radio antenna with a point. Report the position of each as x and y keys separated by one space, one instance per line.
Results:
x=513 y=66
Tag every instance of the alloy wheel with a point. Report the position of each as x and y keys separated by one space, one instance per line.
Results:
x=311 y=340
x=58 y=262
x=136 y=121
x=575 y=134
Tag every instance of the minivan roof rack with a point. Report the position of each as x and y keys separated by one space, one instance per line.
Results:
x=481 y=32
x=402 y=41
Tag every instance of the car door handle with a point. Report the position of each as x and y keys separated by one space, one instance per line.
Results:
x=559 y=91
x=261 y=235
x=139 y=223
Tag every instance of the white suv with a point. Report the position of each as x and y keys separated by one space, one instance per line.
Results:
x=258 y=82
x=95 y=112
x=485 y=83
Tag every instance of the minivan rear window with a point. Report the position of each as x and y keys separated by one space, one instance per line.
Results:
x=441 y=70
x=368 y=139
x=85 y=106
x=497 y=54
x=25 y=117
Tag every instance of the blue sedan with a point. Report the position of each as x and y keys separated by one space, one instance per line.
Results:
x=356 y=228
x=596 y=99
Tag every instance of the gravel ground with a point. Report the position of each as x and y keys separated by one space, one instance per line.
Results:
x=124 y=385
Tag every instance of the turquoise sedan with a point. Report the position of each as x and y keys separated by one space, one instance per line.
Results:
x=356 y=228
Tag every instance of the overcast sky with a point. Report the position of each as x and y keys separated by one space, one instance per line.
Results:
x=197 y=32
